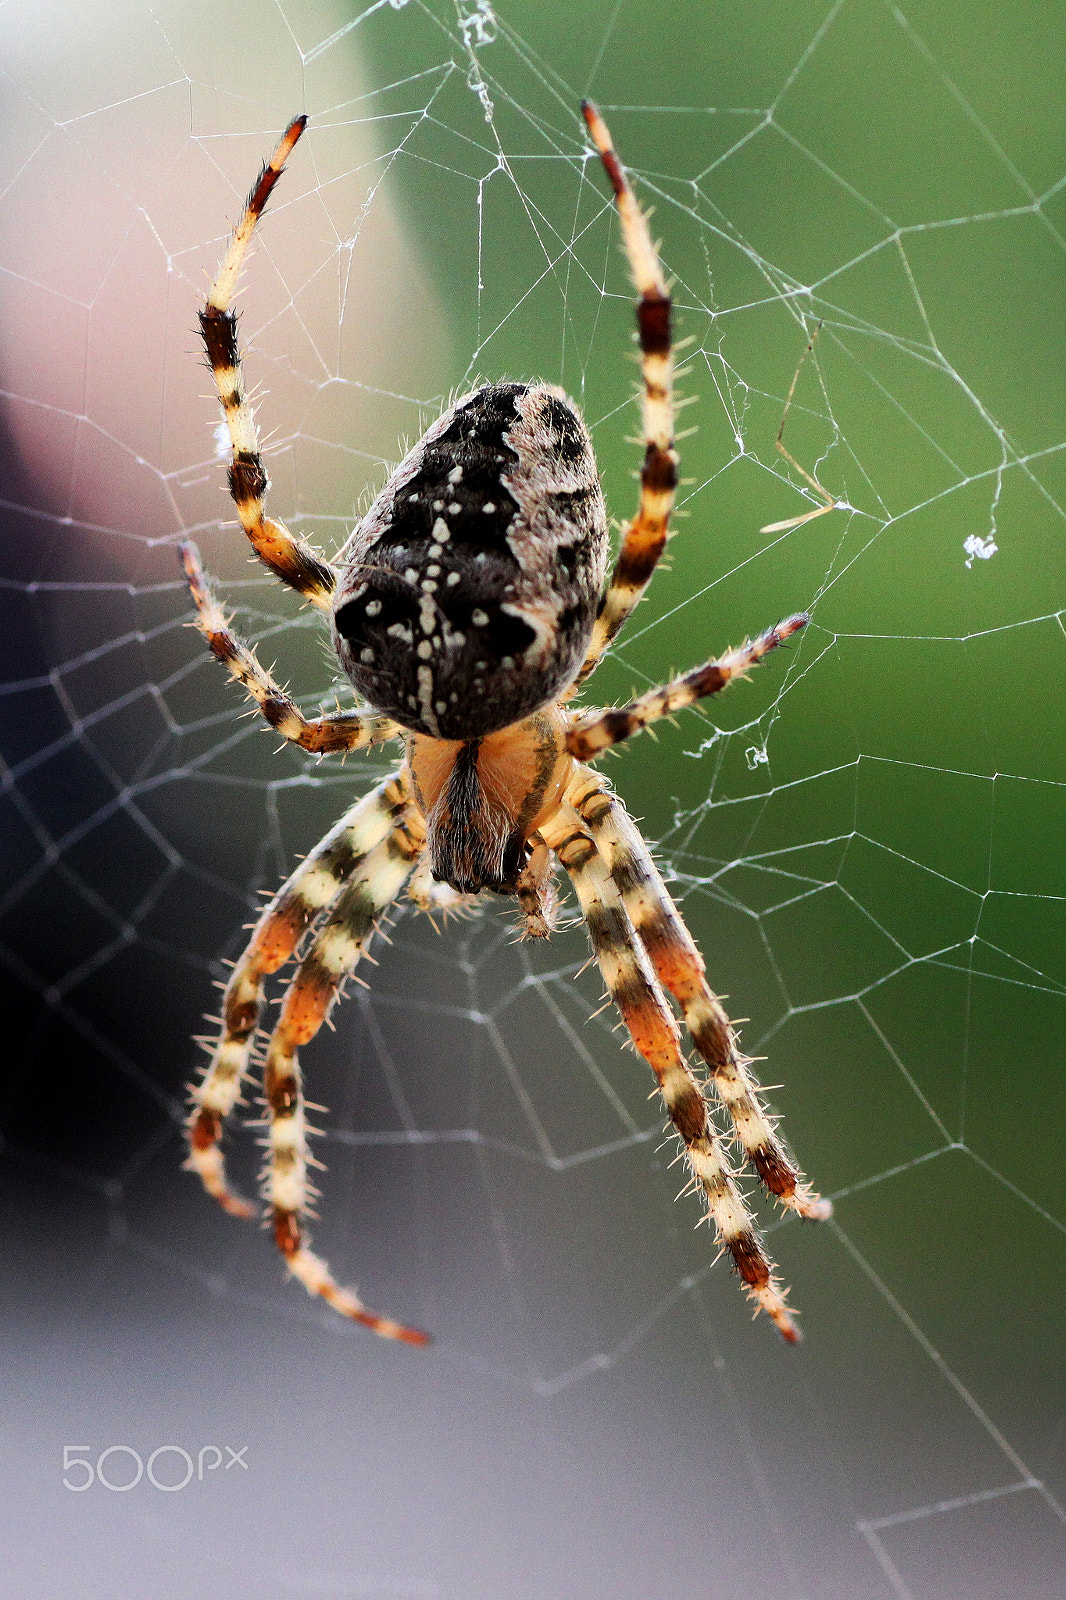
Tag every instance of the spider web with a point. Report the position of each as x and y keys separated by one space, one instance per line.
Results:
x=867 y=839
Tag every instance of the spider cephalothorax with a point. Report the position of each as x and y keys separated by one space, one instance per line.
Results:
x=467 y=606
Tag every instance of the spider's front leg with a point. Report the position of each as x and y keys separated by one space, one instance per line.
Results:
x=647 y=1016
x=306 y=894
x=679 y=966
x=333 y=954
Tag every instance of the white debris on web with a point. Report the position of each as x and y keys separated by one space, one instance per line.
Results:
x=479 y=27
x=979 y=549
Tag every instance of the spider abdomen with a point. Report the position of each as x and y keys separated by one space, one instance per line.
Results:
x=470 y=588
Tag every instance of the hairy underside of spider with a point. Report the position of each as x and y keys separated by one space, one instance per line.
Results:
x=468 y=607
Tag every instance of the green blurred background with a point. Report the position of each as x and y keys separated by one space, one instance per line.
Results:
x=867 y=838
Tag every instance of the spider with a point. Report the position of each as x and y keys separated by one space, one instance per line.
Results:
x=468 y=606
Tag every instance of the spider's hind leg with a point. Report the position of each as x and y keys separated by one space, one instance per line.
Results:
x=308 y=892
x=679 y=966
x=289 y=558
x=645 y=536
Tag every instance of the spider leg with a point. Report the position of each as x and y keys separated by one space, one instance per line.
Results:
x=679 y=967
x=645 y=536
x=308 y=892
x=340 y=730
x=595 y=731
x=334 y=952
x=289 y=558
x=650 y=1022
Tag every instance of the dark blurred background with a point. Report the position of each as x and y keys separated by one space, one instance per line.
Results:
x=867 y=838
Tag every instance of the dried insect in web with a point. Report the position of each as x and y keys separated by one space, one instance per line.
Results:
x=467 y=606
x=828 y=502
